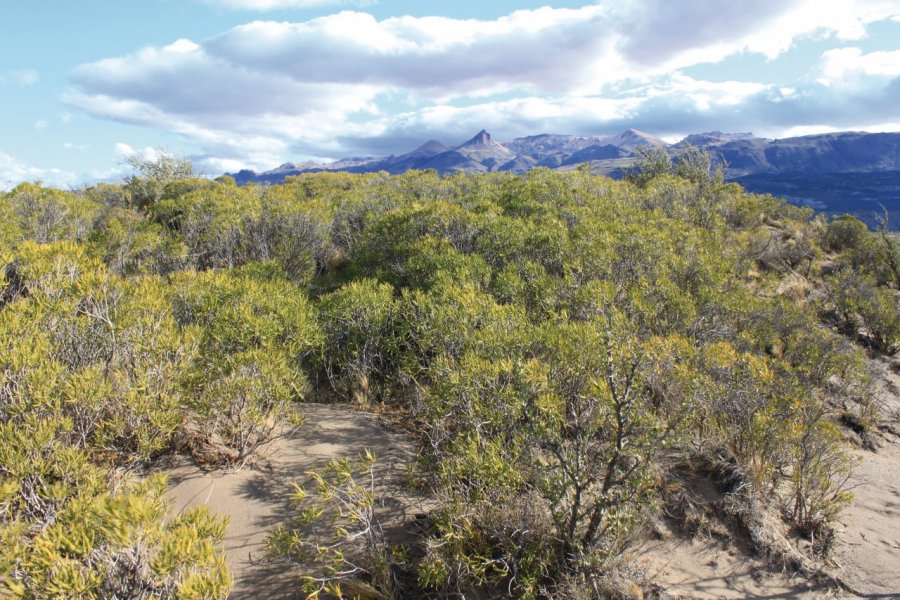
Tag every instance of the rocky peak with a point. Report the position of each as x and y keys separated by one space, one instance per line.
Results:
x=482 y=138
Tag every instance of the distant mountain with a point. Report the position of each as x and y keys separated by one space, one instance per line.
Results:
x=847 y=152
x=484 y=150
x=480 y=154
x=847 y=172
x=429 y=148
x=595 y=152
x=713 y=138
x=852 y=172
x=632 y=139
x=547 y=144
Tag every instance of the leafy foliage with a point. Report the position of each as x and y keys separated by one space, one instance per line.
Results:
x=554 y=340
x=337 y=533
x=255 y=332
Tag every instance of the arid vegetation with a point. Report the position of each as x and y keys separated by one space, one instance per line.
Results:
x=567 y=351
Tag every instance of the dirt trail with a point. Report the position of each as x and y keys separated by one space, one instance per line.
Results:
x=255 y=501
x=868 y=547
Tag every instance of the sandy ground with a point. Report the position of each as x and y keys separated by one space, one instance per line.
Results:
x=256 y=500
x=708 y=568
x=868 y=549
x=711 y=567
x=866 y=555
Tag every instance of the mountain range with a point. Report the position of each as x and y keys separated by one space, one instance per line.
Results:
x=845 y=172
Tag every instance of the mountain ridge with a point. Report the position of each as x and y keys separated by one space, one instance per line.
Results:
x=793 y=167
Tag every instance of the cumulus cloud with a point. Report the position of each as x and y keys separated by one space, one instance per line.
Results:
x=14 y=171
x=547 y=49
x=847 y=66
x=350 y=83
x=123 y=150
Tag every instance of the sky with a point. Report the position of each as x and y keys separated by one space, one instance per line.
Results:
x=235 y=84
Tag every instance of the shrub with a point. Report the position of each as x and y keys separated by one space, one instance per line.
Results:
x=49 y=215
x=256 y=334
x=361 y=347
x=336 y=535
x=820 y=476
x=861 y=302
x=845 y=233
x=65 y=534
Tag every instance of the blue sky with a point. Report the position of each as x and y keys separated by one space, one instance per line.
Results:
x=254 y=83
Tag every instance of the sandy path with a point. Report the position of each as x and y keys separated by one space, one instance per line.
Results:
x=257 y=500
x=868 y=550
x=868 y=547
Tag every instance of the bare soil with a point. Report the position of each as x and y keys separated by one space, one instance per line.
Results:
x=255 y=500
x=707 y=568
x=867 y=553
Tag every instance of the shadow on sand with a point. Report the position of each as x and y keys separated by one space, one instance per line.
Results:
x=256 y=500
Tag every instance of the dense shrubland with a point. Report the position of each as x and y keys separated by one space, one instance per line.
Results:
x=562 y=345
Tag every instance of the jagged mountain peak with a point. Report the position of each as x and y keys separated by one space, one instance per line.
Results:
x=482 y=138
x=481 y=149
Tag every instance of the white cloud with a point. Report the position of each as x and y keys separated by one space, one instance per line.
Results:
x=349 y=83
x=546 y=49
x=41 y=125
x=13 y=171
x=817 y=129
x=842 y=19
x=845 y=66
x=801 y=130
x=218 y=165
x=123 y=150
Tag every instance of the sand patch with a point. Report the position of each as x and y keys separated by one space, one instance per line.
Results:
x=868 y=548
x=256 y=500
x=867 y=552
x=706 y=568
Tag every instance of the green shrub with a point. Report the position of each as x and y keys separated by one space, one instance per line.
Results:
x=845 y=233
x=256 y=334
x=861 y=302
x=49 y=215
x=336 y=535
x=361 y=349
